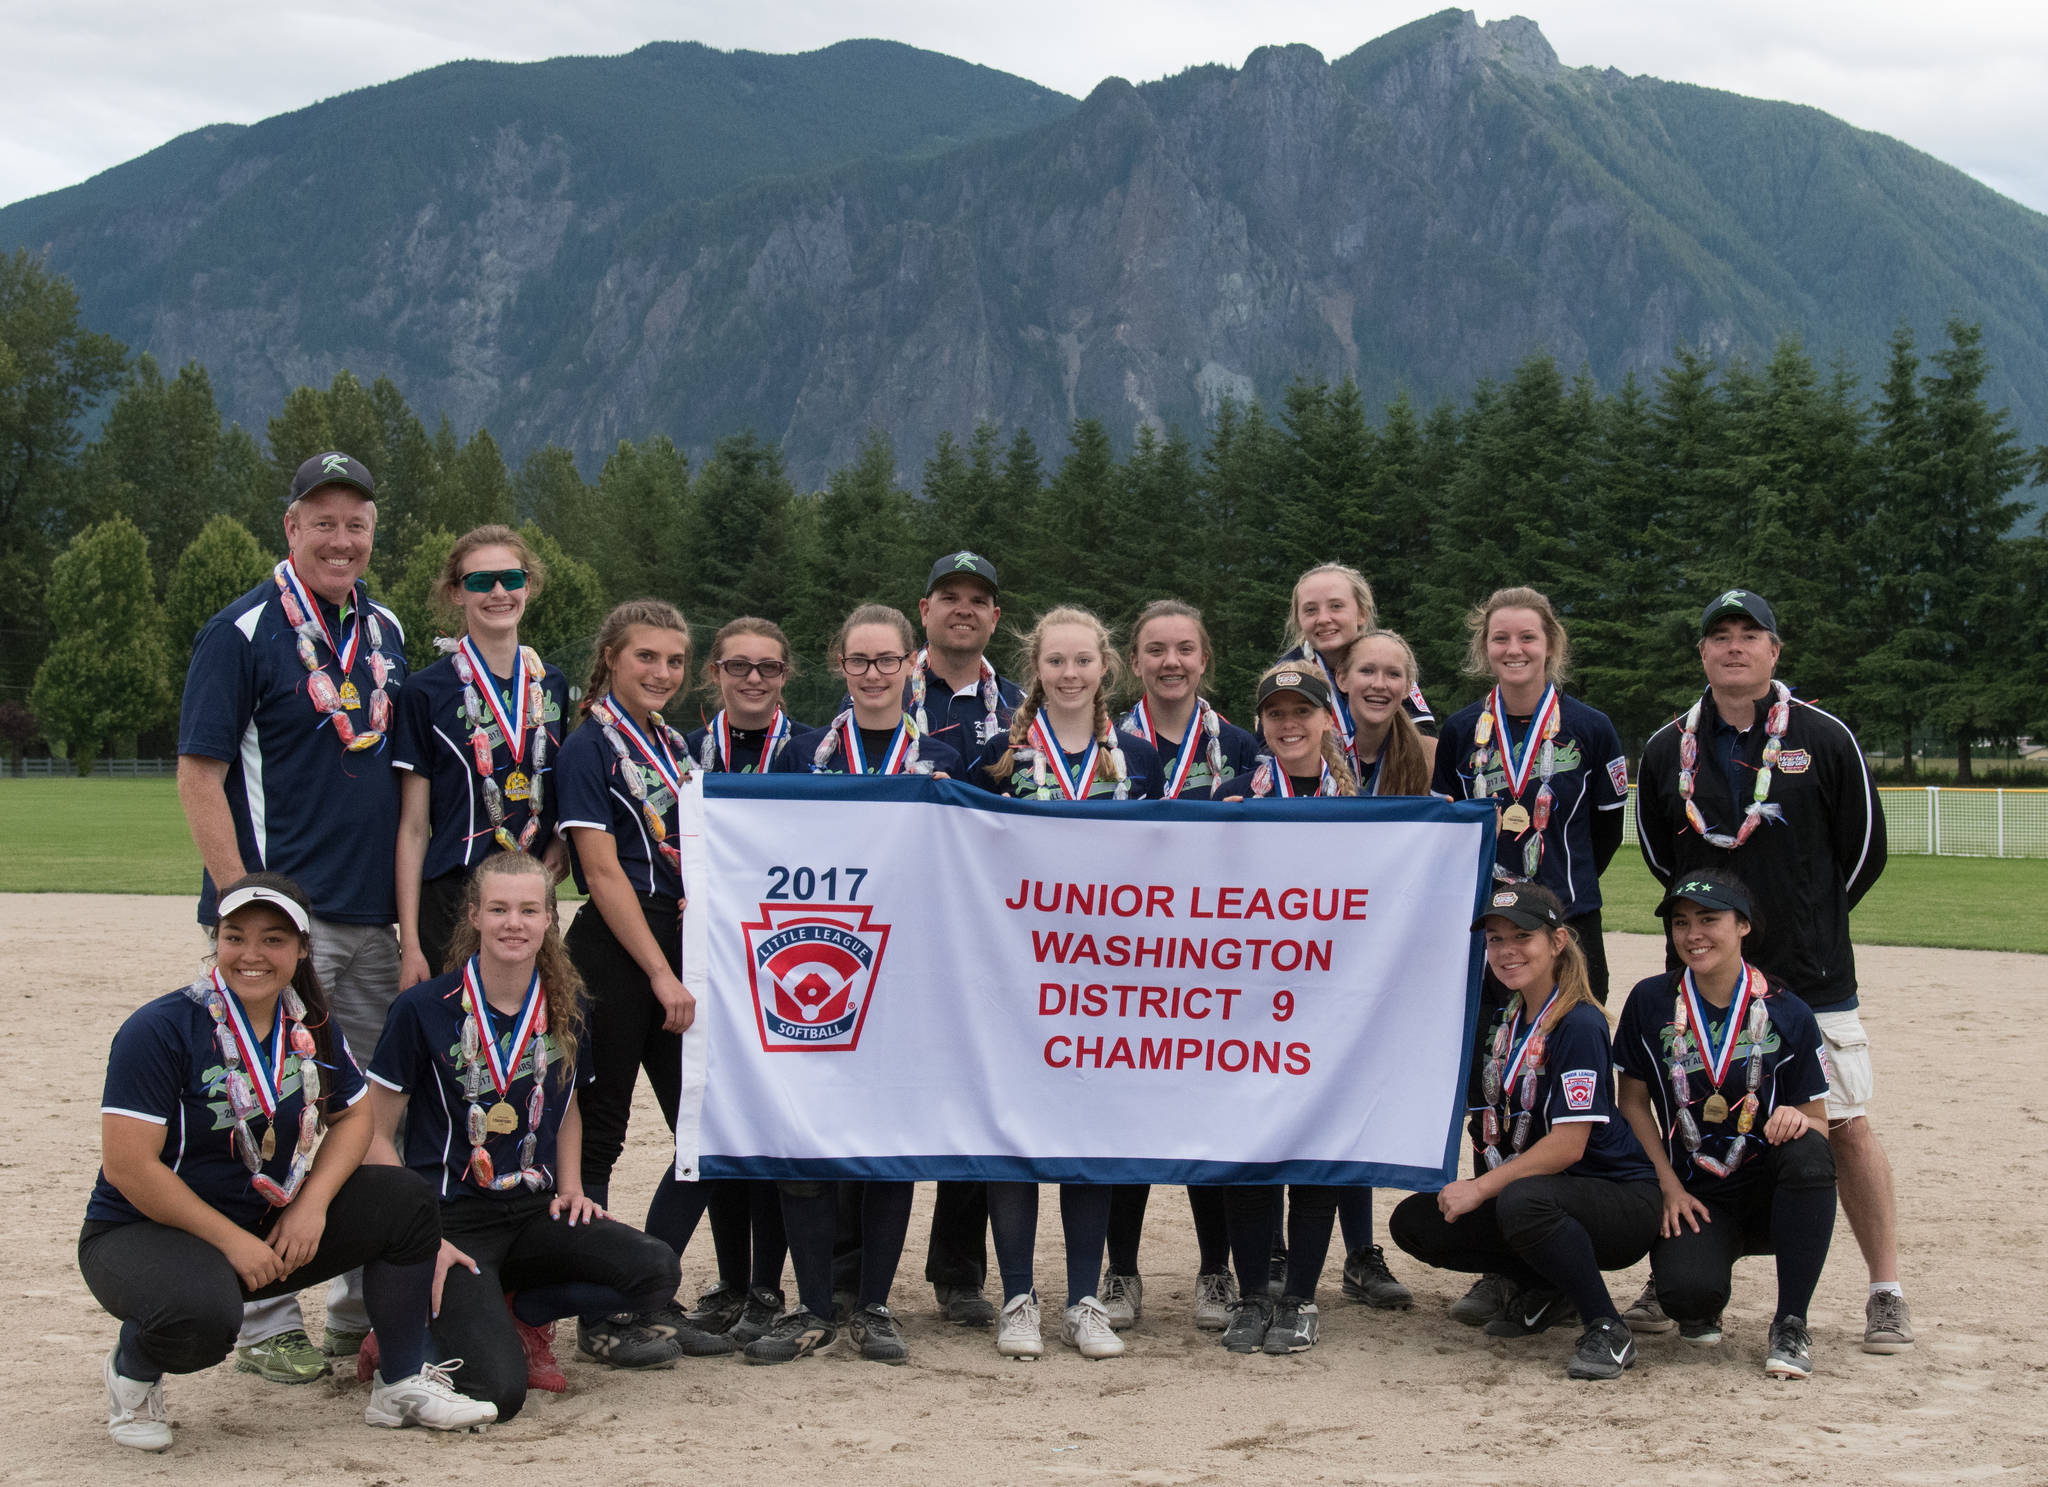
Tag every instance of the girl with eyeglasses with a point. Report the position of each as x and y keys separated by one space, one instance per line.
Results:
x=749 y=666
x=476 y=738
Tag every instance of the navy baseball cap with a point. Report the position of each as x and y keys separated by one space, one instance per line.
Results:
x=957 y=564
x=1742 y=602
x=1708 y=894
x=1292 y=679
x=332 y=468
x=1521 y=904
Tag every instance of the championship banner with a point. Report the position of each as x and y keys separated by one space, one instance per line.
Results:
x=902 y=977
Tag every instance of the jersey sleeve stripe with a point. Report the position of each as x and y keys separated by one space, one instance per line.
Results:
x=155 y=1120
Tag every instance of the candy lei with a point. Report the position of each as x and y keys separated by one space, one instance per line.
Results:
x=302 y=613
x=991 y=697
x=1539 y=750
x=715 y=753
x=1775 y=723
x=1747 y=1012
x=529 y=710
x=483 y=1067
x=1045 y=746
x=901 y=758
x=664 y=752
x=1139 y=721
x=1266 y=780
x=254 y=1089
x=1513 y=1069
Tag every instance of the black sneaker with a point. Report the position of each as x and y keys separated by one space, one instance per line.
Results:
x=1295 y=1325
x=965 y=1306
x=1367 y=1279
x=624 y=1341
x=798 y=1335
x=1487 y=1299
x=873 y=1328
x=1250 y=1316
x=673 y=1323
x=844 y=1305
x=717 y=1310
x=1605 y=1350
x=1791 y=1354
x=757 y=1316
x=1530 y=1310
x=1646 y=1313
x=1704 y=1333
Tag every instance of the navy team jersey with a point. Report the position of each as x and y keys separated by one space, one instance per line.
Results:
x=963 y=711
x=432 y=738
x=417 y=1057
x=1795 y=1070
x=1591 y=775
x=592 y=790
x=1240 y=752
x=165 y=1067
x=1577 y=1085
x=1141 y=760
x=746 y=747
x=1414 y=704
x=302 y=804
x=933 y=750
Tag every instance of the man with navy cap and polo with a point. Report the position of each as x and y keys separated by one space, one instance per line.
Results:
x=1775 y=790
x=282 y=767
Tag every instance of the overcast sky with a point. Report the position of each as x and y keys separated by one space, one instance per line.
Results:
x=90 y=83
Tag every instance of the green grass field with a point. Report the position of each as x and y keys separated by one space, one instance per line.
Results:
x=128 y=836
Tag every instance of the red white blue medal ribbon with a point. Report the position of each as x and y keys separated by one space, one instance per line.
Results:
x=1716 y=1061
x=1518 y=772
x=1140 y=723
x=1074 y=786
x=512 y=729
x=1520 y=1051
x=287 y=577
x=262 y=1072
x=1339 y=704
x=721 y=734
x=655 y=752
x=1283 y=785
x=503 y=1065
x=892 y=761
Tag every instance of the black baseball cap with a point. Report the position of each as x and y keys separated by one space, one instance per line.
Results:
x=1522 y=904
x=954 y=564
x=1738 y=601
x=1292 y=679
x=332 y=468
x=1708 y=894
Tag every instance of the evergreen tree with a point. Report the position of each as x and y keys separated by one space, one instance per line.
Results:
x=549 y=490
x=856 y=548
x=562 y=620
x=413 y=600
x=106 y=675
x=219 y=566
x=1075 y=547
x=634 y=534
x=1249 y=579
x=739 y=532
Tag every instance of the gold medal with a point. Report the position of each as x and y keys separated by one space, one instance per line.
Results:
x=517 y=786
x=502 y=1120
x=268 y=1145
x=1515 y=819
x=350 y=697
x=1715 y=1110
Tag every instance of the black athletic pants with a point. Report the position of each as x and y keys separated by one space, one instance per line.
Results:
x=1253 y=1216
x=440 y=910
x=957 y=1254
x=625 y=1033
x=811 y=1221
x=1127 y=1204
x=1555 y=1230
x=1781 y=1202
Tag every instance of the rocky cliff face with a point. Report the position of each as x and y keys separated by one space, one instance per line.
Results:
x=1420 y=214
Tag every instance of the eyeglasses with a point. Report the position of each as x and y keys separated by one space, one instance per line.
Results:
x=768 y=671
x=483 y=582
x=882 y=665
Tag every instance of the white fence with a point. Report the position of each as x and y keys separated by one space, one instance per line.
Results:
x=1952 y=820
x=101 y=768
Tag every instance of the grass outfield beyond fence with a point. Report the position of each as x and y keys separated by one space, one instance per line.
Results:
x=128 y=836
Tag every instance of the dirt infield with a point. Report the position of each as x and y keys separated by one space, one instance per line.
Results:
x=1384 y=1398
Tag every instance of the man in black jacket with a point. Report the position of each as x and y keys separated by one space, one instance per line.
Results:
x=1777 y=791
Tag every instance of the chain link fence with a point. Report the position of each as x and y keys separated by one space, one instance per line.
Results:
x=1951 y=820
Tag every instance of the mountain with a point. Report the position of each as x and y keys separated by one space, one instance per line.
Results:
x=691 y=242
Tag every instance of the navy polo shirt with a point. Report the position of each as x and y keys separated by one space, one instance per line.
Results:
x=165 y=1067
x=1794 y=1065
x=1592 y=775
x=1141 y=761
x=417 y=1057
x=1240 y=753
x=746 y=747
x=302 y=804
x=964 y=711
x=592 y=792
x=932 y=750
x=1577 y=1085
x=432 y=738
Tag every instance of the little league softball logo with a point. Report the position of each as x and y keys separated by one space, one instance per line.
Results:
x=812 y=967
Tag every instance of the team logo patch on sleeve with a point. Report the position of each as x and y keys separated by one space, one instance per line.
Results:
x=1579 y=1086
x=812 y=969
x=1617 y=772
x=1794 y=761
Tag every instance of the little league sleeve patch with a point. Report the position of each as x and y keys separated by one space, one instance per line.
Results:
x=1579 y=1086
x=1617 y=771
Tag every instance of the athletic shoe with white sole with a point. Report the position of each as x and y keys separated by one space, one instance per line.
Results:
x=1646 y=1312
x=1532 y=1309
x=1791 y=1351
x=1123 y=1297
x=626 y=1341
x=1250 y=1316
x=428 y=1400
x=1887 y=1324
x=1486 y=1300
x=798 y=1335
x=136 y=1416
x=1367 y=1279
x=1019 y=1337
x=1295 y=1325
x=341 y=1342
x=1704 y=1333
x=762 y=1307
x=286 y=1358
x=873 y=1330
x=1085 y=1327
x=1214 y=1296
x=1605 y=1350
x=716 y=1310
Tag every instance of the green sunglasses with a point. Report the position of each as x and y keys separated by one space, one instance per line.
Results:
x=484 y=582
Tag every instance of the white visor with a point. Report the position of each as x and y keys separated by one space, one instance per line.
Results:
x=241 y=898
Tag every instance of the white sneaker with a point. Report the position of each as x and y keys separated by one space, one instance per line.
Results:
x=427 y=1399
x=135 y=1411
x=1086 y=1328
x=1213 y=1295
x=1018 y=1336
x=1123 y=1297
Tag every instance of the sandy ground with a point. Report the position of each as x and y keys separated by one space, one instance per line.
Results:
x=1384 y=1398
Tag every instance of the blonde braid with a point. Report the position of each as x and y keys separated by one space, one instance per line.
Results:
x=1210 y=724
x=1340 y=767
x=1106 y=731
x=1020 y=729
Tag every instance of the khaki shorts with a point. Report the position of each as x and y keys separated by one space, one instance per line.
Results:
x=1850 y=1078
